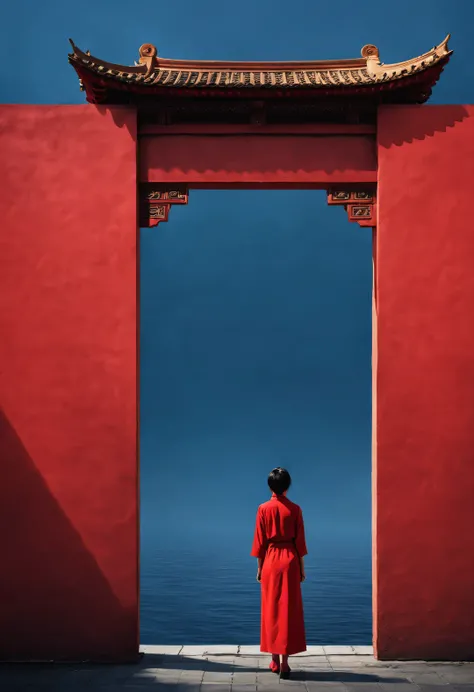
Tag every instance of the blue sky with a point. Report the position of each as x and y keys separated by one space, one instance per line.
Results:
x=256 y=331
x=34 y=36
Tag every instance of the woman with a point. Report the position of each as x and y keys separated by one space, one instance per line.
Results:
x=280 y=546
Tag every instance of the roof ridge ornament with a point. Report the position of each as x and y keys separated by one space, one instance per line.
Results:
x=148 y=54
x=370 y=51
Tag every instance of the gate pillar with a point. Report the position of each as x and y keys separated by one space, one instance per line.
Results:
x=68 y=383
x=424 y=384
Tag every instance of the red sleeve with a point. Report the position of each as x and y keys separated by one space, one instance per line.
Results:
x=300 y=537
x=259 y=545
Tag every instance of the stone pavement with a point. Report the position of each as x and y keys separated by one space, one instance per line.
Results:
x=241 y=669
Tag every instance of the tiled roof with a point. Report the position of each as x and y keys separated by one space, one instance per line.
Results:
x=153 y=74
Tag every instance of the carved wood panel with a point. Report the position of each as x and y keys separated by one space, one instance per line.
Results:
x=361 y=205
x=155 y=202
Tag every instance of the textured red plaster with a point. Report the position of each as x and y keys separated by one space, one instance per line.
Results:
x=424 y=525
x=247 y=159
x=68 y=497
x=68 y=368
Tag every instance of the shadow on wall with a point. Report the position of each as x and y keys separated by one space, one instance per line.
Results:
x=120 y=115
x=412 y=123
x=67 y=609
x=423 y=121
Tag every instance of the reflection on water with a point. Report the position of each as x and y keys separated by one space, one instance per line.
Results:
x=210 y=596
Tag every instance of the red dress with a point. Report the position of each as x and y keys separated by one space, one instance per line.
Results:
x=279 y=539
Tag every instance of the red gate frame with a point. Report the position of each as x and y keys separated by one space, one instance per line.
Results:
x=68 y=432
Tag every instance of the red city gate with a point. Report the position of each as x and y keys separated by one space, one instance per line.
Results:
x=68 y=318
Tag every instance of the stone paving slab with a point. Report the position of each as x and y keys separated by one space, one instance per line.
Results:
x=242 y=669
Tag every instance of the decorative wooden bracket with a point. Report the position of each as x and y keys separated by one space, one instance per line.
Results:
x=361 y=205
x=156 y=201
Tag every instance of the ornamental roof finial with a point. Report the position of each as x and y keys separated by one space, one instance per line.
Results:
x=148 y=55
x=370 y=51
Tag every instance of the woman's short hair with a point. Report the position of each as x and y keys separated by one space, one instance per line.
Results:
x=279 y=480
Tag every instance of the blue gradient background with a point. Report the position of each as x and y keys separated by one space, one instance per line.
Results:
x=255 y=318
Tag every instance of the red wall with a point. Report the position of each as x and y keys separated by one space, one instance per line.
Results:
x=250 y=159
x=68 y=376
x=424 y=521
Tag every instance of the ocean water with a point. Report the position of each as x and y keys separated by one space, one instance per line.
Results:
x=255 y=352
x=209 y=595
